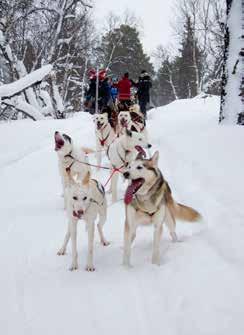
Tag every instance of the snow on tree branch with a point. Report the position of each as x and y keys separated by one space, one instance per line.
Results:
x=19 y=104
x=9 y=90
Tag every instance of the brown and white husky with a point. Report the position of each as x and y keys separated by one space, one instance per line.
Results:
x=148 y=200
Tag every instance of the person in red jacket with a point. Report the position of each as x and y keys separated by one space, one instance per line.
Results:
x=124 y=86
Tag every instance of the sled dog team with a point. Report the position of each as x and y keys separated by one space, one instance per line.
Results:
x=148 y=199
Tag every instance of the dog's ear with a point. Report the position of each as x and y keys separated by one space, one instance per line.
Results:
x=74 y=178
x=87 y=178
x=67 y=138
x=154 y=159
x=128 y=132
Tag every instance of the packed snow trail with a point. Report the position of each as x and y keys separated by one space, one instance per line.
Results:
x=198 y=287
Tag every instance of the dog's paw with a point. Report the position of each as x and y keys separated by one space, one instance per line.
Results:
x=73 y=267
x=174 y=237
x=127 y=264
x=105 y=243
x=156 y=261
x=61 y=252
x=90 y=268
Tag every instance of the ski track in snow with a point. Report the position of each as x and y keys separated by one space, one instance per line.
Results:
x=197 y=290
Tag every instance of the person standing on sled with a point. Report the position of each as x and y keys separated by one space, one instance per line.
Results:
x=143 y=91
x=124 y=94
x=90 y=94
x=104 y=95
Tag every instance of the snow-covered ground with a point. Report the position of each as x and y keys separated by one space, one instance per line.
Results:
x=197 y=290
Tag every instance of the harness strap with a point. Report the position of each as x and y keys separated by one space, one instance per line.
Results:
x=89 y=164
x=123 y=160
x=103 y=140
x=69 y=155
x=113 y=172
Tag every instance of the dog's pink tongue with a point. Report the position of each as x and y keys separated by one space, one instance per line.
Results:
x=59 y=142
x=130 y=191
x=140 y=150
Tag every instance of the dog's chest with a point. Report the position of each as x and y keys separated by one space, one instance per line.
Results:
x=143 y=218
x=145 y=206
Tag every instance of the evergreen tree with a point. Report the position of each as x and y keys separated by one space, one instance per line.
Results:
x=122 y=51
x=164 y=90
x=189 y=64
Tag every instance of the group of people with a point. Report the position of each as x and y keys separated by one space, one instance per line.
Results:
x=113 y=91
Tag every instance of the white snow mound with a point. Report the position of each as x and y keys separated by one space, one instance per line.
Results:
x=198 y=289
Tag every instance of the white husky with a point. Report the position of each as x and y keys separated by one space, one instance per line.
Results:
x=104 y=135
x=123 y=150
x=69 y=160
x=125 y=121
x=86 y=201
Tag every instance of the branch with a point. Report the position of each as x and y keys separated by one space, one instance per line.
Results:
x=17 y=86
x=20 y=105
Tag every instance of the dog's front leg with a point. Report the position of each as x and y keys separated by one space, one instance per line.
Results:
x=102 y=220
x=129 y=233
x=66 y=184
x=110 y=184
x=158 y=229
x=61 y=172
x=62 y=251
x=114 y=185
x=73 y=234
x=91 y=228
x=98 y=155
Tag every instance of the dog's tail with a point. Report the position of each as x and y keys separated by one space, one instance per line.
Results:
x=186 y=213
x=182 y=212
x=87 y=151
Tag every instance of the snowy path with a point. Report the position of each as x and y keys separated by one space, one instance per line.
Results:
x=197 y=289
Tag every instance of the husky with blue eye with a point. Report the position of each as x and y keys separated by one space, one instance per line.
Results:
x=148 y=201
x=86 y=201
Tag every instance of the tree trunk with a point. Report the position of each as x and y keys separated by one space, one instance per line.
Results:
x=231 y=105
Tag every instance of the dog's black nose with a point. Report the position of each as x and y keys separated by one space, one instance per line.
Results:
x=149 y=146
x=126 y=175
x=56 y=132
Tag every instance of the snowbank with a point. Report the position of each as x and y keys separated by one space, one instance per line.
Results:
x=198 y=289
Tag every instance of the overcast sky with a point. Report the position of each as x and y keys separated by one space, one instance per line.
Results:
x=154 y=14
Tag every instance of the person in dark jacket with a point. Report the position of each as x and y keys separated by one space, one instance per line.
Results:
x=104 y=96
x=143 y=91
x=104 y=93
x=90 y=96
